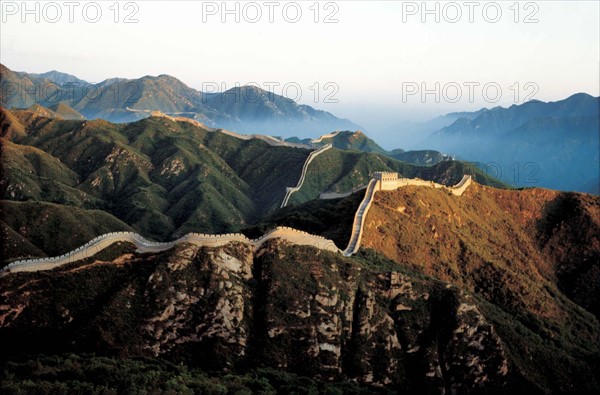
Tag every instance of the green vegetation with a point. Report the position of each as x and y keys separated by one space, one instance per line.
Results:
x=354 y=141
x=162 y=178
x=341 y=171
x=90 y=374
x=378 y=263
x=549 y=355
x=566 y=222
x=65 y=112
x=51 y=228
x=165 y=179
x=358 y=141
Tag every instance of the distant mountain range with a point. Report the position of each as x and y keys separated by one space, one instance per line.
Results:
x=501 y=119
x=57 y=77
x=246 y=109
x=410 y=134
x=554 y=145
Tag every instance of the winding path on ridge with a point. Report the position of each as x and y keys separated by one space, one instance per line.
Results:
x=311 y=156
x=294 y=236
x=144 y=245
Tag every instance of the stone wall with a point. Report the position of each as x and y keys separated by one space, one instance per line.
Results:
x=325 y=136
x=385 y=175
x=336 y=195
x=359 y=218
x=144 y=245
x=462 y=186
x=382 y=183
x=387 y=181
x=391 y=184
x=290 y=190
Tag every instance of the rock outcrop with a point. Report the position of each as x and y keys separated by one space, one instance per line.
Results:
x=289 y=307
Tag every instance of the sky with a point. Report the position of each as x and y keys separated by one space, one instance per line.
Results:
x=367 y=61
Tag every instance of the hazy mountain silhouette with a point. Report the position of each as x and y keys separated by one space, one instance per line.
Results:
x=553 y=144
x=57 y=77
x=246 y=109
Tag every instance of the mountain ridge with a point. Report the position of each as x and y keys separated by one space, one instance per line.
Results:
x=579 y=104
x=57 y=77
x=358 y=141
x=266 y=113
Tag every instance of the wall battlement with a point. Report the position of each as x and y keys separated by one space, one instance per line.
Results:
x=325 y=136
x=99 y=243
x=385 y=176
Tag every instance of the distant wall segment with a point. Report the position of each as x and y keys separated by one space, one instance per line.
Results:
x=290 y=190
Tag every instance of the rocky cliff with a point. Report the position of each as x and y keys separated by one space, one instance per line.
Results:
x=292 y=308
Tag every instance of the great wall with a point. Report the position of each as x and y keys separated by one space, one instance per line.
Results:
x=382 y=181
x=361 y=213
x=339 y=195
x=144 y=245
x=268 y=139
x=290 y=190
x=387 y=181
x=325 y=136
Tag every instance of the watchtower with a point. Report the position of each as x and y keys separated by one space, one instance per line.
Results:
x=385 y=176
